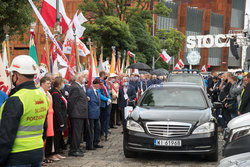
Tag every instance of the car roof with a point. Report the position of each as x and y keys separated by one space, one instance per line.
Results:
x=177 y=84
x=185 y=74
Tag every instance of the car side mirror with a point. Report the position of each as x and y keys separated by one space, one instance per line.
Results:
x=217 y=105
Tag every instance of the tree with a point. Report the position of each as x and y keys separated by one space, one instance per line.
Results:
x=172 y=40
x=17 y=15
x=110 y=31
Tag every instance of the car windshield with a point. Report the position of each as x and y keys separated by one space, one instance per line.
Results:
x=186 y=78
x=174 y=97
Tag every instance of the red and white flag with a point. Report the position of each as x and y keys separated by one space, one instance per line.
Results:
x=177 y=67
x=6 y=64
x=165 y=56
x=181 y=64
x=4 y=85
x=204 y=68
x=131 y=54
x=48 y=13
x=69 y=39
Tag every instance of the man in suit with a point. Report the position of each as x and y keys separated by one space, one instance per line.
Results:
x=245 y=102
x=78 y=113
x=127 y=94
x=105 y=105
x=94 y=115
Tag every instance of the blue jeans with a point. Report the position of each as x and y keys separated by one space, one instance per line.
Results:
x=104 y=118
x=38 y=164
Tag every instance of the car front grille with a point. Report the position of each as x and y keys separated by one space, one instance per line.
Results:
x=168 y=128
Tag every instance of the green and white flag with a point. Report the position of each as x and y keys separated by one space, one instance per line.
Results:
x=32 y=52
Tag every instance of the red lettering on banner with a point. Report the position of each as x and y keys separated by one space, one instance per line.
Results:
x=3 y=87
x=68 y=43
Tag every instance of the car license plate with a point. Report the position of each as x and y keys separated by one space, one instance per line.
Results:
x=171 y=143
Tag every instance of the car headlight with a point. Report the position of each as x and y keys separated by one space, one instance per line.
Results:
x=239 y=132
x=134 y=126
x=205 y=128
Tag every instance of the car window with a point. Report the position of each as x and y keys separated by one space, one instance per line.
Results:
x=174 y=97
x=187 y=78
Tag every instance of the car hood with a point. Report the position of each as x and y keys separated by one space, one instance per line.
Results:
x=192 y=116
x=240 y=121
x=241 y=160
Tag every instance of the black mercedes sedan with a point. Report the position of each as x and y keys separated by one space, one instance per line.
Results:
x=173 y=118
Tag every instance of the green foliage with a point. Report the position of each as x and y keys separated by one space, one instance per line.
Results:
x=110 y=31
x=162 y=9
x=17 y=15
x=173 y=40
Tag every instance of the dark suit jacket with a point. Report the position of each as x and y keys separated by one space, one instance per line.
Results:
x=60 y=110
x=245 y=103
x=77 y=102
x=131 y=95
x=94 y=104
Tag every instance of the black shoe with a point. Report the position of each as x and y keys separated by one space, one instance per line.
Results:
x=76 y=154
x=90 y=148
x=98 y=146
x=82 y=151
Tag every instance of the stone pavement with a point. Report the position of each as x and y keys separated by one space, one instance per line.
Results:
x=112 y=156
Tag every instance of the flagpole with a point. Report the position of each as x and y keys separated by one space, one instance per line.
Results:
x=47 y=51
x=77 y=52
x=7 y=39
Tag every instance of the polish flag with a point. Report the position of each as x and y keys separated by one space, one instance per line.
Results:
x=165 y=56
x=48 y=13
x=131 y=54
x=181 y=64
x=72 y=57
x=204 y=68
x=177 y=67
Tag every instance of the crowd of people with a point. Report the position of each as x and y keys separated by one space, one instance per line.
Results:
x=232 y=91
x=76 y=111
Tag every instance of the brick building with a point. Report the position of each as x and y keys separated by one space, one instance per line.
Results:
x=202 y=17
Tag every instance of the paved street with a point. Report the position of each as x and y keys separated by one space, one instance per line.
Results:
x=112 y=156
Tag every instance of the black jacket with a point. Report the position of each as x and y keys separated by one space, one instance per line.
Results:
x=78 y=102
x=121 y=102
x=11 y=115
x=245 y=102
x=60 y=110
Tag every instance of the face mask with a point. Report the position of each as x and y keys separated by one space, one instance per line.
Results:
x=240 y=77
x=105 y=78
x=84 y=80
x=125 y=83
x=113 y=80
x=14 y=83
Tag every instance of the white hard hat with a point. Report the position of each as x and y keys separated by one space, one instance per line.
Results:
x=112 y=75
x=24 y=64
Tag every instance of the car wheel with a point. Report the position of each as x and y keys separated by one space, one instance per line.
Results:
x=128 y=153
